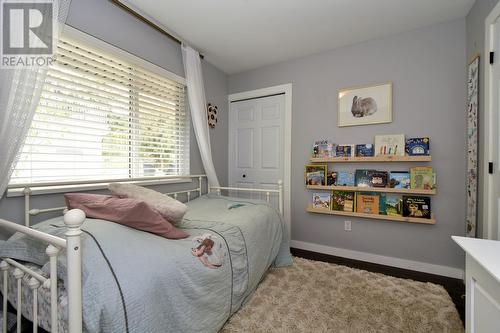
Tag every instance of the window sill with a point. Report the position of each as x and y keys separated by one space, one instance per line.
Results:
x=41 y=190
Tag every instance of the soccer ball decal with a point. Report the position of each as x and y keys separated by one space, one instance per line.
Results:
x=212 y=115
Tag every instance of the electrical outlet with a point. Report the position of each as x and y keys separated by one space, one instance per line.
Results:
x=347 y=225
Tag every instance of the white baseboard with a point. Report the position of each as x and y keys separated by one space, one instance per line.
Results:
x=382 y=260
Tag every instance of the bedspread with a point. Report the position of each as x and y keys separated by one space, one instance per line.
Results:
x=134 y=281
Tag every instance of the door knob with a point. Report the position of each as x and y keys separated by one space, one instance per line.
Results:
x=244 y=176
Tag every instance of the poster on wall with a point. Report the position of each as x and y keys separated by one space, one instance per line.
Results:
x=472 y=153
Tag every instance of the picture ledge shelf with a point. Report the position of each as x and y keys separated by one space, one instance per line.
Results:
x=373 y=189
x=388 y=158
x=373 y=216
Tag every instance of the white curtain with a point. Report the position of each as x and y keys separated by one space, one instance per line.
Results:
x=198 y=105
x=20 y=89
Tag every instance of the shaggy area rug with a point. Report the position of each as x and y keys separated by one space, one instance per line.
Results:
x=313 y=296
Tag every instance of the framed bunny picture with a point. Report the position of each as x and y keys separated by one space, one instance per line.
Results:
x=365 y=105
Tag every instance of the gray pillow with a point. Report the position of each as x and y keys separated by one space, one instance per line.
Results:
x=171 y=209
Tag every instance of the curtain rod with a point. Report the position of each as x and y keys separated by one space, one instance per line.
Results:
x=153 y=25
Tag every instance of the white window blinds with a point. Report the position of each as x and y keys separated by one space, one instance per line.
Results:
x=102 y=118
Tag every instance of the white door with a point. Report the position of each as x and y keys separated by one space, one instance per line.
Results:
x=256 y=143
x=494 y=142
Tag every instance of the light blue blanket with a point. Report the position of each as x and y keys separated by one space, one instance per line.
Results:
x=134 y=281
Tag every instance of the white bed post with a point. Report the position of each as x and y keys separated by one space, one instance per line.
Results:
x=280 y=196
x=27 y=194
x=52 y=252
x=34 y=284
x=18 y=274
x=74 y=220
x=199 y=185
x=4 y=267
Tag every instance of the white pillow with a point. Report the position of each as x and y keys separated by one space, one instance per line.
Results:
x=171 y=209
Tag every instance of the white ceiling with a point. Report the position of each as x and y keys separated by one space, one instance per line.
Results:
x=238 y=35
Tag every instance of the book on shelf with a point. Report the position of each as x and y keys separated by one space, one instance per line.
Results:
x=399 y=179
x=370 y=178
x=321 y=200
x=315 y=174
x=418 y=146
x=393 y=205
x=379 y=178
x=390 y=145
x=331 y=178
x=381 y=202
x=363 y=178
x=323 y=149
x=364 y=150
x=417 y=206
x=343 y=201
x=367 y=203
x=345 y=178
x=345 y=150
x=422 y=178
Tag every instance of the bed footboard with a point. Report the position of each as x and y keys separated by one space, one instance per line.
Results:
x=267 y=192
x=73 y=220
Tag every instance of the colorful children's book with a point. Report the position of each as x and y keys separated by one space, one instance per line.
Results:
x=393 y=205
x=343 y=201
x=421 y=178
x=367 y=203
x=323 y=148
x=378 y=178
x=416 y=206
x=381 y=202
x=315 y=174
x=364 y=150
x=321 y=200
x=418 y=146
x=345 y=151
x=331 y=178
x=345 y=178
x=390 y=145
x=363 y=178
x=399 y=179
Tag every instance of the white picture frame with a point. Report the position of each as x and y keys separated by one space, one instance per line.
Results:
x=365 y=105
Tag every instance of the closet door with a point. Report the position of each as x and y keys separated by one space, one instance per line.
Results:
x=256 y=154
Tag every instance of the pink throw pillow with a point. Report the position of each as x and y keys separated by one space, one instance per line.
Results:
x=130 y=212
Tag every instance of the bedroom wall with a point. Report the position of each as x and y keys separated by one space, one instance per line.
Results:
x=475 y=45
x=107 y=22
x=427 y=69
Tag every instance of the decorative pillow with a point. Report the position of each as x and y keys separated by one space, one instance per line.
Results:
x=127 y=211
x=171 y=209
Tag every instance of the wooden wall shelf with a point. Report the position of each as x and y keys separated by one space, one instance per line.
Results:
x=369 y=159
x=373 y=189
x=373 y=216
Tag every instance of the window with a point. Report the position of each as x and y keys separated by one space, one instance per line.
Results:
x=101 y=117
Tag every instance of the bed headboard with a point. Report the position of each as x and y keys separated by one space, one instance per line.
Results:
x=190 y=193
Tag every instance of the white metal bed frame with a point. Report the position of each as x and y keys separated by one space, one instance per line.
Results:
x=72 y=243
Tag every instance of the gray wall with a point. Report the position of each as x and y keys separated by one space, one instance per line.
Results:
x=475 y=44
x=107 y=22
x=426 y=67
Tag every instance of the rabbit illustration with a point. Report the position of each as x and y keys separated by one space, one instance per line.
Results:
x=362 y=107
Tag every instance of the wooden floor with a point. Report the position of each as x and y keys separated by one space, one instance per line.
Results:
x=454 y=287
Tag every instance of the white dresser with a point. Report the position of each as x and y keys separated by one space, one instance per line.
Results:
x=482 y=281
